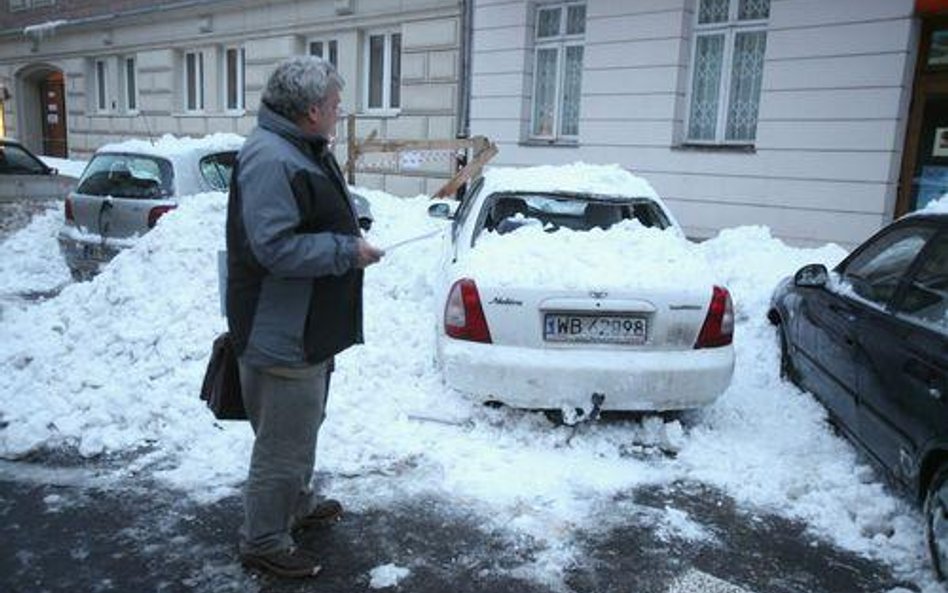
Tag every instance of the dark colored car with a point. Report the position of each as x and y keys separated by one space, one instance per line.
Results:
x=23 y=175
x=870 y=341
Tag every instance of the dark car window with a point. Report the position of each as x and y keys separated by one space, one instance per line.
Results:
x=507 y=212
x=216 y=169
x=16 y=161
x=875 y=272
x=926 y=297
x=127 y=176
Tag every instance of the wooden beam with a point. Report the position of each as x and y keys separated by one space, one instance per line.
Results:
x=470 y=170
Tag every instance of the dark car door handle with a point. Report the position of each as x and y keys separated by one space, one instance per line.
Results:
x=929 y=377
x=843 y=312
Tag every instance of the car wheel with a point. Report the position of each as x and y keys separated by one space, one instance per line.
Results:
x=787 y=371
x=936 y=521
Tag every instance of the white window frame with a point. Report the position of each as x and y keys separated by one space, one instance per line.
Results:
x=100 y=81
x=560 y=43
x=130 y=79
x=240 y=100
x=18 y=5
x=729 y=29
x=198 y=81
x=386 y=106
x=327 y=43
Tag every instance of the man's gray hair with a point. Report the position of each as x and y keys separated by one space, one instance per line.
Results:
x=299 y=83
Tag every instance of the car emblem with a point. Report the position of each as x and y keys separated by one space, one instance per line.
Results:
x=598 y=294
x=506 y=301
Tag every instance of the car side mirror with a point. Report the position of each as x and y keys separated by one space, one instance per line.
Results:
x=442 y=210
x=811 y=276
x=53 y=171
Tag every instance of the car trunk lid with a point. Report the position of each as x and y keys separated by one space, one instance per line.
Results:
x=644 y=319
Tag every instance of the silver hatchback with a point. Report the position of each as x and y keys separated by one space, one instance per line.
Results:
x=127 y=187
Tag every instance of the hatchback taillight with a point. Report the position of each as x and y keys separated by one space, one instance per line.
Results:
x=463 y=315
x=70 y=217
x=718 y=328
x=155 y=213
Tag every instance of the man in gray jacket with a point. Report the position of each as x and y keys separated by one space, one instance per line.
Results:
x=294 y=300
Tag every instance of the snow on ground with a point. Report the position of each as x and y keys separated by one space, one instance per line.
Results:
x=387 y=575
x=114 y=366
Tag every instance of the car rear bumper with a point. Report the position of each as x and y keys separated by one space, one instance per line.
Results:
x=83 y=255
x=633 y=380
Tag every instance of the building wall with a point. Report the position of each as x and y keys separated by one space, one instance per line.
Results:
x=835 y=92
x=268 y=32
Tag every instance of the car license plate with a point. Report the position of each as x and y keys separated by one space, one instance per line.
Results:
x=607 y=329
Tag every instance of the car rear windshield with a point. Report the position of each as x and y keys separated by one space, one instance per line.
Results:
x=506 y=212
x=127 y=176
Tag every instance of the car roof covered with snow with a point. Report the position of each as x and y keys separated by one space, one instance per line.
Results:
x=576 y=178
x=175 y=148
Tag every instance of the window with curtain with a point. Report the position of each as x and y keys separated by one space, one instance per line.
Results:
x=234 y=78
x=559 y=35
x=194 y=81
x=383 y=54
x=730 y=38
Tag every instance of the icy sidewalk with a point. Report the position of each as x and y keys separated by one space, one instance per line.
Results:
x=75 y=530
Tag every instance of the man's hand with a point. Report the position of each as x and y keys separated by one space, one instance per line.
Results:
x=366 y=253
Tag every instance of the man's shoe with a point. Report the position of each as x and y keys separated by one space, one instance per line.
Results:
x=292 y=563
x=324 y=514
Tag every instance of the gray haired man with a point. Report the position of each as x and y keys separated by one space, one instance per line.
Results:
x=295 y=259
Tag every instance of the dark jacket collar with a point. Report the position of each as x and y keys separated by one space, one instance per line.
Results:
x=269 y=119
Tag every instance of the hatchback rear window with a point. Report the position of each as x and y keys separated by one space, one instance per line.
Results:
x=127 y=176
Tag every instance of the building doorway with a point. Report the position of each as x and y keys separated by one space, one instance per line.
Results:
x=52 y=93
x=924 y=174
x=41 y=109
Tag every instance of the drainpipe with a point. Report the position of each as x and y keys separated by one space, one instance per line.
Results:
x=464 y=82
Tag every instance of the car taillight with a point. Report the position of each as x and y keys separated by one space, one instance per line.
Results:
x=70 y=217
x=155 y=213
x=463 y=315
x=718 y=328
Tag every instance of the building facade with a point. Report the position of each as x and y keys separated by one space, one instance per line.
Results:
x=802 y=115
x=76 y=74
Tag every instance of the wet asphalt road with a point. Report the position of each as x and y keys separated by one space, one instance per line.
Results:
x=62 y=530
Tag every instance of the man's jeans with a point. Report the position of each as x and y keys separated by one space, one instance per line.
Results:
x=286 y=407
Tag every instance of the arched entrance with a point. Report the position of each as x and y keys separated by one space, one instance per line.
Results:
x=41 y=107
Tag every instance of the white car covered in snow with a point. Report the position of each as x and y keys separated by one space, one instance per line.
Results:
x=573 y=288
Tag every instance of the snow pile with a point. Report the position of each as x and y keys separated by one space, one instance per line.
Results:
x=114 y=365
x=627 y=256
x=939 y=206
x=387 y=575
x=30 y=261
x=750 y=262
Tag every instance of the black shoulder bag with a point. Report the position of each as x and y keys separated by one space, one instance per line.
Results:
x=221 y=388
